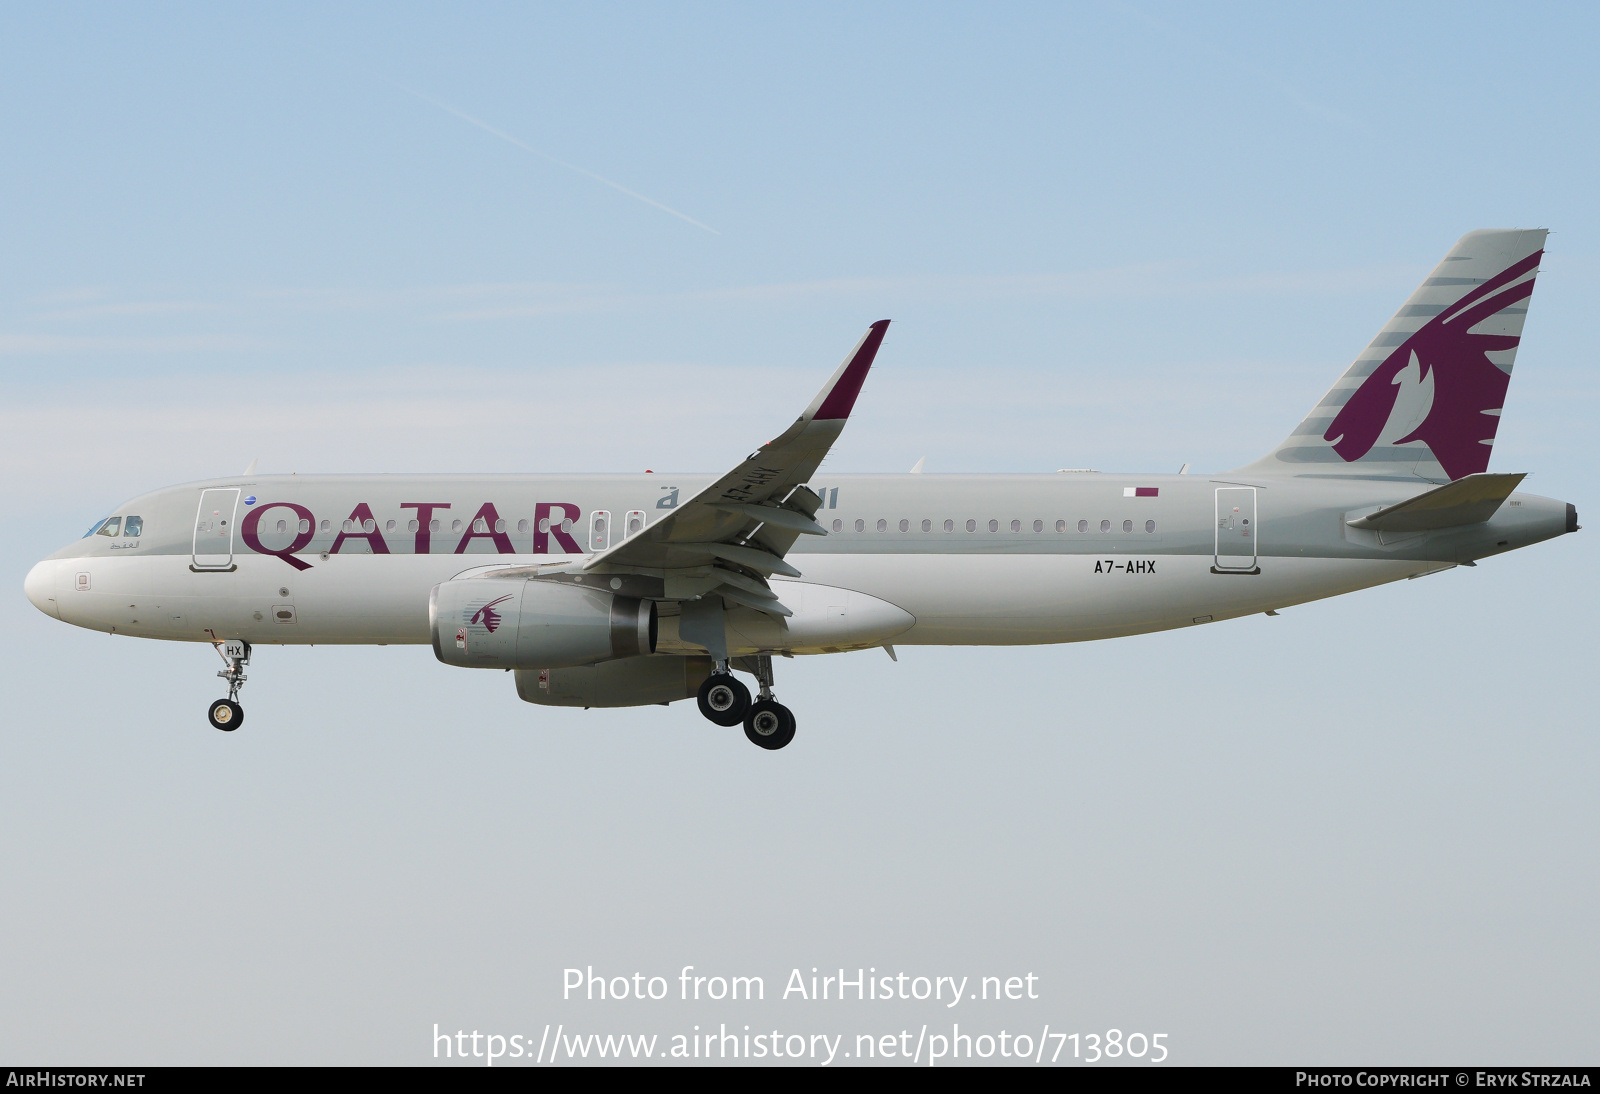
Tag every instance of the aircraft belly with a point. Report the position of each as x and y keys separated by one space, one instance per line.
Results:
x=904 y=599
x=1023 y=599
x=353 y=599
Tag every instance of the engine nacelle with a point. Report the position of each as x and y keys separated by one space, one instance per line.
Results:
x=630 y=682
x=503 y=623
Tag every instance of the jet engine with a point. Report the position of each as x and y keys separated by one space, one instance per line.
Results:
x=501 y=623
x=629 y=682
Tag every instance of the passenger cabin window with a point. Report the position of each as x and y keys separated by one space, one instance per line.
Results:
x=883 y=525
x=972 y=525
x=635 y=523
x=522 y=526
x=133 y=526
x=837 y=524
x=927 y=525
x=1083 y=526
x=1149 y=526
x=1127 y=526
x=861 y=525
x=1061 y=526
x=949 y=526
x=111 y=527
x=994 y=526
x=1105 y=526
x=1038 y=526
x=1016 y=526
x=905 y=525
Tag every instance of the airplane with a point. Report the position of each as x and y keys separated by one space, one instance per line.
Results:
x=610 y=590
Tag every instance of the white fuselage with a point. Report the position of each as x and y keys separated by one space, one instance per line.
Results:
x=982 y=560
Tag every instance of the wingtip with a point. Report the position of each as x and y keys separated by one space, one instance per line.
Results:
x=841 y=396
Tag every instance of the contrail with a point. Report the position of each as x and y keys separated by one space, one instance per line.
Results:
x=503 y=135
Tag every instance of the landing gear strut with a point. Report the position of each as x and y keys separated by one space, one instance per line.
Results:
x=226 y=714
x=768 y=723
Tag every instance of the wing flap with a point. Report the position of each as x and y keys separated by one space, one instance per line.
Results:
x=786 y=519
x=760 y=604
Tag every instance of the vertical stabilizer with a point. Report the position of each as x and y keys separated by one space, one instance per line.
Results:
x=1424 y=399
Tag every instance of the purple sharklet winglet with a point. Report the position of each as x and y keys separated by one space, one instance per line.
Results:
x=841 y=396
x=1466 y=383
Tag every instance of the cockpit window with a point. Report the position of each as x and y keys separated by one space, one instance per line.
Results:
x=111 y=526
x=93 y=528
x=133 y=526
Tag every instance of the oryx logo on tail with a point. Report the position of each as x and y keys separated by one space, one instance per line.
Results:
x=1423 y=400
x=1469 y=389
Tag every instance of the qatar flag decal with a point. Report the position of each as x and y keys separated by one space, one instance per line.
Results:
x=1141 y=491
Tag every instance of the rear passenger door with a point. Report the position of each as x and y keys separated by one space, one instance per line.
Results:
x=1236 y=545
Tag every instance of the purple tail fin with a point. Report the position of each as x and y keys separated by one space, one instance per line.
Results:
x=1424 y=399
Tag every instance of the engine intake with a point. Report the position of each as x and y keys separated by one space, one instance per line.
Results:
x=499 y=623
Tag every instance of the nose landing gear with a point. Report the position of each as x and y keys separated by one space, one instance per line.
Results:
x=226 y=714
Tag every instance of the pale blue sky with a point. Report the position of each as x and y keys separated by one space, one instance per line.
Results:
x=1116 y=236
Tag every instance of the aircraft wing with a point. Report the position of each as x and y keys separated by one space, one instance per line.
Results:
x=733 y=535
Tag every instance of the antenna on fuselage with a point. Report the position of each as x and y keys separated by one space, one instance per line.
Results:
x=251 y=470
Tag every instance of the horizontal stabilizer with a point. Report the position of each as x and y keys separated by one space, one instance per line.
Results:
x=1470 y=500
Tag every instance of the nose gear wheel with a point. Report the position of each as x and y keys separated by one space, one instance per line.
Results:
x=226 y=715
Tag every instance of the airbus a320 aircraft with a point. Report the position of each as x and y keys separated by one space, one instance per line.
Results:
x=626 y=590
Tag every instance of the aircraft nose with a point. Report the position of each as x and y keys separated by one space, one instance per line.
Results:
x=40 y=585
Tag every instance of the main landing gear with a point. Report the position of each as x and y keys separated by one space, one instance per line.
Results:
x=722 y=698
x=725 y=701
x=226 y=714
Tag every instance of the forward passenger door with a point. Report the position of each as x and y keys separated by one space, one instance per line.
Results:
x=213 y=529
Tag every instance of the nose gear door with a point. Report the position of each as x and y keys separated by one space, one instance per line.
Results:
x=1236 y=529
x=213 y=529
